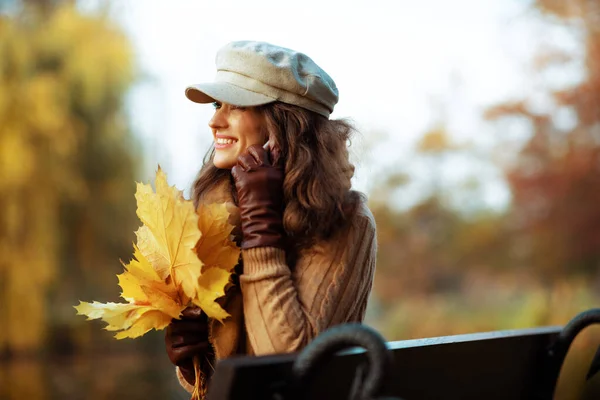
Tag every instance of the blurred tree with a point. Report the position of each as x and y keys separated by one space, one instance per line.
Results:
x=441 y=271
x=432 y=246
x=414 y=249
x=436 y=141
x=67 y=165
x=555 y=180
x=435 y=146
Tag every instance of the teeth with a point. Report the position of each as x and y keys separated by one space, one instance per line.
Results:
x=225 y=141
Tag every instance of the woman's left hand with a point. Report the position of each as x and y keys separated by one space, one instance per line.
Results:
x=187 y=338
x=259 y=186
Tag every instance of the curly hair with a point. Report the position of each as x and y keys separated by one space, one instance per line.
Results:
x=317 y=188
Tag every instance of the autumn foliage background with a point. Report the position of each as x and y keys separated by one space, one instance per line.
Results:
x=69 y=161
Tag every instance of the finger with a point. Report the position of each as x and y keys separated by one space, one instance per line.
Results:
x=192 y=313
x=247 y=162
x=260 y=154
x=182 y=327
x=235 y=172
x=182 y=355
x=187 y=339
x=185 y=334
x=276 y=157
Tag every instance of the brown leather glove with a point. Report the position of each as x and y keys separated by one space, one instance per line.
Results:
x=186 y=338
x=259 y=187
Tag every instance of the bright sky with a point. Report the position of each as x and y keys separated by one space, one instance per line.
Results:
x=397 y=65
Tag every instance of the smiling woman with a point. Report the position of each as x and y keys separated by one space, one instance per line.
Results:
x=308 y=240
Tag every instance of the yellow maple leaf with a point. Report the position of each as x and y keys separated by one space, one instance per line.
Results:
x=215 y=247
x=134 y=320
x=119 y=316
x=169 y=234
x=212 y=284
x=166 y=273
x=132 y=291
x=141 y=275
x=152 y=302
x=152 y=320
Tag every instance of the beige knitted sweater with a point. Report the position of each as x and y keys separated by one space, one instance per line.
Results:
x=278 y=309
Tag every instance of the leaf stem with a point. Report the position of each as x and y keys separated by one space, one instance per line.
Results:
x=199 y=387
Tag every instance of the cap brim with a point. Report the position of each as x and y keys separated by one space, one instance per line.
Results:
x=226 y=93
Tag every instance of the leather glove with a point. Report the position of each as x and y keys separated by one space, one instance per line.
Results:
x=259 y=186
x=186 y=338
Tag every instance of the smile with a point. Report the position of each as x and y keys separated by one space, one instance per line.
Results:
x=225 y=141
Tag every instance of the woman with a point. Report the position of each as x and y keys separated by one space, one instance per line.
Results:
x=308 y=241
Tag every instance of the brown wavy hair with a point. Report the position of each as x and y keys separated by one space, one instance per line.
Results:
x=317 y=189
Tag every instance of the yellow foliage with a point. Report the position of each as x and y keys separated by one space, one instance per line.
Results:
x=215 y=247
x=211 y=286
x=65 y=156
x=165 y=275
x=435 y=141
x=62 y=75
x=17 y=158
x=169 y=234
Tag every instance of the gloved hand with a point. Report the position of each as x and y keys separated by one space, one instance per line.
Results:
x=186 y=338
x=259 y=186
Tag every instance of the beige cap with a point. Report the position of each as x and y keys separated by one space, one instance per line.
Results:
x=256 y=73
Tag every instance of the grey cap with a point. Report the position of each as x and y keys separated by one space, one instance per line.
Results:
x=255 y=73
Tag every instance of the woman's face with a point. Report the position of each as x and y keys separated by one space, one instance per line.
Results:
x=234 y=129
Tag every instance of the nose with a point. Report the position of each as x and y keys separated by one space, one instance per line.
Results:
x=218 y=120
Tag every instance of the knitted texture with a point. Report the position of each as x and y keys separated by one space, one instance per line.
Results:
x=285 y=307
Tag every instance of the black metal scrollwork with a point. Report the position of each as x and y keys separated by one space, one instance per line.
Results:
x=368 y=380
x=558 y=350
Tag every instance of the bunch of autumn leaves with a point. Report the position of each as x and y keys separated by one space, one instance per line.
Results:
x=182 y=257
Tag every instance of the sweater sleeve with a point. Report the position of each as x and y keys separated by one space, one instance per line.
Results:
x=330 y=284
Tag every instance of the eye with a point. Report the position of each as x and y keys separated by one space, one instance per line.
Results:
x=216 y=105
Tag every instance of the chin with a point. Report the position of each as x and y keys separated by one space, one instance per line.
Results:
x=223 y=163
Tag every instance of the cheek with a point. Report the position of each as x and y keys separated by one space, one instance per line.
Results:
x=251 y=133
x=252 y=139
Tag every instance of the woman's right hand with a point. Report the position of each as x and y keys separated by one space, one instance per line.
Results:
x=186 y=338
x=259 y=185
